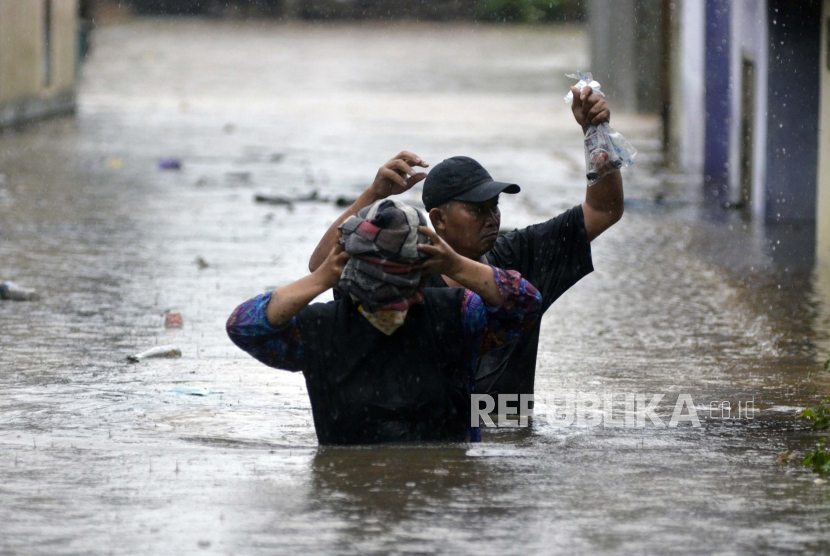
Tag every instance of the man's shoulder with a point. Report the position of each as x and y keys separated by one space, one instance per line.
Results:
x=523 y=248
x=573 y=215
x=539 y=231
x=319 y=313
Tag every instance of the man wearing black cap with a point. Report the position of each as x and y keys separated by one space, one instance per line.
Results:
x=462 y=200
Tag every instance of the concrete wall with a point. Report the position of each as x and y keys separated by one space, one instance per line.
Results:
x=26 y=91
x=750 y=40
x=649 y=51
x=823 y=201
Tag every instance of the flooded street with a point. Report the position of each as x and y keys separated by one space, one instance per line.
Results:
x=100 y=456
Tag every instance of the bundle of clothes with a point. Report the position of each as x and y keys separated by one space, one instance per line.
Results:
x=383 y=274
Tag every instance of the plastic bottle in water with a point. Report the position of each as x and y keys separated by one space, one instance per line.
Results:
x=13 y=292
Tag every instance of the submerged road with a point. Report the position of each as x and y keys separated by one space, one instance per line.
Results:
x=98 y=456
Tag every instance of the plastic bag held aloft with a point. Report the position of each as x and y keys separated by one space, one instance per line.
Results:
x=606 y=150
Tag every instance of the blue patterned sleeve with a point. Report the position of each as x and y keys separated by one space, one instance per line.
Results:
x=488 y=326
x=279 y=347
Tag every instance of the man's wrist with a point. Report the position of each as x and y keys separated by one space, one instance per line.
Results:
x=320 y=281
x=372 y=194
x=462 y=268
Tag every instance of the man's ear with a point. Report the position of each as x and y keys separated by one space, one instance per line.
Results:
x=438 y=219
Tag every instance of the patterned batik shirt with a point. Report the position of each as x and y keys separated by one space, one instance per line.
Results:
x=484 y=327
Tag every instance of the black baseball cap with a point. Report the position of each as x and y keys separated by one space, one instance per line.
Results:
x=461 y=178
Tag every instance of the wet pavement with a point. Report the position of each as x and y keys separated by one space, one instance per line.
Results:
x=99 y=456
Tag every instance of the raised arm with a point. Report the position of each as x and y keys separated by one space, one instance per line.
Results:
x=265 y=326
x=288 y=300
x=488 y=326
x=603 y=206
x=499 y=305
x=470 y=274
x=393 y=178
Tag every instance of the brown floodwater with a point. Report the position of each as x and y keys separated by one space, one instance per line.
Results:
x=100 y=456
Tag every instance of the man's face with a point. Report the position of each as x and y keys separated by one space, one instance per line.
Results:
x=470 y=228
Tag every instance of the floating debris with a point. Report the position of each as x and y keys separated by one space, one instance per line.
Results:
x=159 y=351
x=786 y=458
x=238 y=177
x=170 y=164
x=272 y=199
x=14 y=292
x=113 y=163
x=204 y=181
x=345 y=201
x=201 y=263
x=229 y=128
x=276 y=158
x=188 y=391
x=173 y=320
x=312 y=197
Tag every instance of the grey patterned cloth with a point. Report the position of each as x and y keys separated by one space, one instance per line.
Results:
x=382 y=240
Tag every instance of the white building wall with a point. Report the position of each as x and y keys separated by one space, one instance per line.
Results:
x=749 y=41
x=692 y=84
x=25 y=93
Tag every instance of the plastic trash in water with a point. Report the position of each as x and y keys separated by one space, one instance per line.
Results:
x=606 y=150
x=238 y=177
x=113 y=163
x=14 y=292
x=311 y=197
x=205 y=181
x=188 y=391
x=273 y=199
x=170 y=164
x=345 y=201
x=159 y=351
x=173 y=320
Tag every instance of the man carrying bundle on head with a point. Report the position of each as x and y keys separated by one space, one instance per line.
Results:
x=389 y=361
x=462 y=199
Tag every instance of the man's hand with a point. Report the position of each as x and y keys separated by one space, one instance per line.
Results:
x=589 y=108
x=443 y=259
x=398 y=175
x=468 y=273
x=329 y=272
x=290 y=299
x=393 y=178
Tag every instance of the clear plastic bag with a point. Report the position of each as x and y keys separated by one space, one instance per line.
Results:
x=606 y=150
